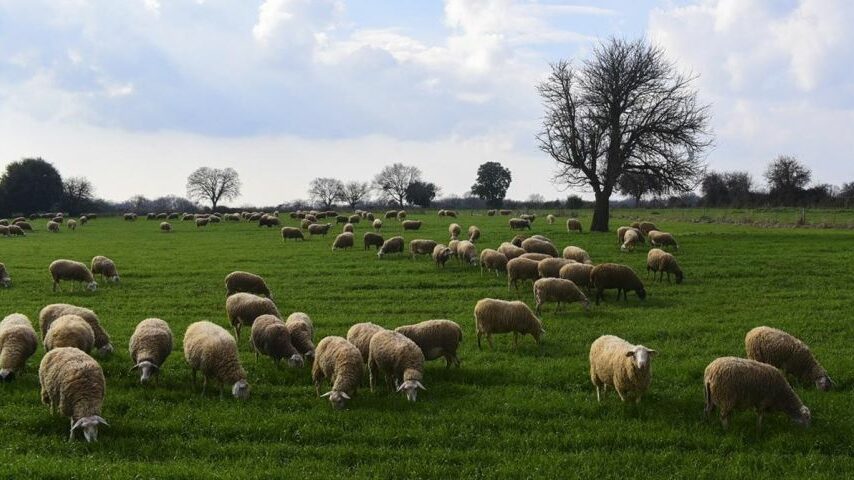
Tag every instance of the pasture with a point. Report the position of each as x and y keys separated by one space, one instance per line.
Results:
x=529 y=413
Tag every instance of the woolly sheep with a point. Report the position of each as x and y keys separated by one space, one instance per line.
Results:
x=521 y=269
x=646 y=227
x=243 y=308
x=511 y=251
x=452 y=245
x=529 y=217
x=343 y=241
x=209 y=348
x=246 y=282
x=492 y=260
x=579 y=273
x=618 y=363
x=322 y=228
x=18 y=342
x=519 y=224
x=270 y=337
x=490 y=213
x=72 y=271
x=550 y=267
x=788 y=353
x=441 y=254
x=613 y=275
x=517 y=240
x=305 y=223
x=451 y=213
x=50 y=313
x=658 y=260
x=578 y=254
x=421 y=246
x=392 y=245
x=22 y=226
x=401 y=216
x=573 y=224
x=391 y=214
x=378 y=224
x=535 y=245
x=558 y=290
x=347 y=228
x=537 y=257
x=341 y=362
x=72 y=224
x=105 y=267
x=467 y=252
x=301 y=328
x=372 y=239
x=69 y=331
x=499 y=316
x=662 y=239
x=621 y=234
x=732 y=383
x=505 y=212
x=354 y=219
x=630 y=239
x=454 y=231
x=474 y=234
x=360 y=335
x=149 y=346
x=83 y=219
x=202 y=222
x=72 y=384
x=550 y=219
x=435 y=338
x=398 y=359
x=411 y=224
x=165 y=227
x=542 y=238
x=129 y=217
x=16 y=231
x=5 y=279
x=52 y=227
x=4 y=230
x=292 y=232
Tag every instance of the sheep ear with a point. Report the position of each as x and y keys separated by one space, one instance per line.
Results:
x=345 y=395
x=101 y=420
x=422 y=387
x=135 y=367
x=652 y=353
x=400 y=387
x=630 y=353
x=76 y=424
x=326 y=394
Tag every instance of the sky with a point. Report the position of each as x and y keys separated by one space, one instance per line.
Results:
x=136 y=94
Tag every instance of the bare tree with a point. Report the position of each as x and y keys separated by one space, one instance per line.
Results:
x=213 y=185
x=77 y=191
x=625 y=110
x=394 y=179
x=324 y=191
x=355 y=193
x=787 y=178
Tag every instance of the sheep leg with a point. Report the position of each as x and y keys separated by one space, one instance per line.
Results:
x=538 y=307
x=193 y=377
x=515 y=340
x=489 y=340
x=204 y=384
x=55 y=284
x=620 y=394
x=725 y=419
x=71 y=432
x=478 y=341
x=598 y=396
x=599 y=295
x=758 y=421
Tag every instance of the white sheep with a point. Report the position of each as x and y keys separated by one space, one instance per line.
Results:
x=301 y=329
x=398 y=359
x=18 y=342
x=246 y=282
x=360 y=335
x=243 y=308
x=50 y=313
x=209 y=348
x=341 y=362
x=492 y=260
x=788 y=353
x=578 y=254
x=105 y=267
x=270 y=337
x=436 y=338
x=626 y=367
x=72 y=384
x=69 y=331
x=421 y=246
x=499 y=316
x=467 y=252
x=72 y=271
x=149 y=346
x=559 y=291
x=392 y=245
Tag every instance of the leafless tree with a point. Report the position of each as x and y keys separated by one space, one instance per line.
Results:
x=394 y=179
x=355 y=192
x=324 y=191
x=213 y=185
x=77 y=192
x=625 y=110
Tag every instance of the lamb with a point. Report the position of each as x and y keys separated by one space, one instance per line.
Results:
x=559 y=291
x=72 y=271
x=50 y=313
x=341 y=362
x=270 y=337
x=72 y=224
x=788 y=353
x=246 y=282
x=69 y=331
x=378 y=224
x=467 y=252
x=411 y=224
x=519 y=224
x=550 y=267
x=292 y=232
x=441 y=254
x=511 y=251
x=360 y=335
x=474 y=234
x=343 y=241
x=550 y=219
x=662 y=239
x=52 y=227
x=18 y=342
x=397 y=358
x=732 y=383
x=392 y=245
x=372 y=239
x=579 y=273
x=421 y=246
x=150 y=345
x=618 y=363
x=492 y=260
x=630 y=239
x=301 y=329
x=573 y=224
x=73 y=384
x=435 y=338
x=209 y=348
x=323 y=229
x=521 y=269
x=5 y=279
x=401 y=216
x=165 y=227
x=499 y=316
x=646 y=227
x=454 y=230
x=243 y=308
x=535 y=245
x=658 y=260
x=613 y=275
x=105 y=267
x=578 y=254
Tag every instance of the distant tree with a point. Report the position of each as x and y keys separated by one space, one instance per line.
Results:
x=394 y=179
x=30 y=185
x=78 y=193
x=787 y=178
x=138 y=204
x=354 y=193
x=574 y=202
x=421 y=193
x=492 y=183
x=714 y=189
x=535 y=200
x=324 y=191
x=213 y=185
x=738 y=185
x=172 y=203
x=846 y=192
x=636 y=185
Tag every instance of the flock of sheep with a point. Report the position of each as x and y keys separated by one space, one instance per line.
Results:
x=73 y=383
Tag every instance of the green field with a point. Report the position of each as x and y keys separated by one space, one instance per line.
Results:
x=530 y=413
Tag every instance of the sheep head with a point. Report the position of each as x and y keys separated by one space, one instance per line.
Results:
x=147 y=368
x=641 y=357
x=803 y=417
x=337 y=399
x=296 y=361
x=89 y=426
x=410 y=389
x=92 y=286
x=240 y=390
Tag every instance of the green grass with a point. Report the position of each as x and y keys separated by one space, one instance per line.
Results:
x=530 y=413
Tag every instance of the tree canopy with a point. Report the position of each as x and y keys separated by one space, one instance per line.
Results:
x=30 y=185
x=213 y=185
x=492 y=183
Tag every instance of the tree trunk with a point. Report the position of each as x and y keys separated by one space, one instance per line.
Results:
x=601 y=213
x=213 y=206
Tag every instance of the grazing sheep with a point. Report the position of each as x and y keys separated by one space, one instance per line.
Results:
x=505 y=212
x=411 y=224
x=537 y=257
x=542 y=238
x=305 y=223
x=550 y=219
x=165 y=227
x=788 y=353
x=517 y=240
x=378 y=224
x=341 y=219
x=270 y=221
x=613 y=275
x=454 y=231
x=4 y=230
x=343 y=241
x=441 y=254
x=5 y=279
x=467 y=252
x=202 y=222
x=550 y=267
x=188 y=217
x=435 y=338
x=53 y=227
x=270 y=337
x=312 y=217
x=16 y=231
x=323 y=229
x=341 y=362
x=360 y=335
x=511 y=251
x=69 y=331
x=50 y=313
x=246 y=282
x=519 y=224
x=401 y=216
x=172 y=216
x=635 y=225
x=499 y=316
x=18 y=342
x=490 y=213
x=391 y=214
x=301 y=328
x=369 y=216
x=579 y=273
x=421 y=247
x=72 y=384
x=535 y=245
x=529 y=217
x=72 y=224
x=130 y=217
x=354 y=219
x=452 y=245
x=618 y=363
x=83 y=219
x=21 y=225
x=372 y=239
x=662 y=239
x=492 y=260
x=474 y=234
x=451 y=213
x=105 y=267
x=72 y=271
x=392 y=245
x=578 y=254
x=621 y=234
x=347 y=228
x=658 y=260
x=398 y=359
x=732 y=384
x=243 y=308
x=573 y=225
x=4 y=222
x=646 y=227
x=149 y=346
x=209 y=348
x=630 y=239
x=521 y=269
x=292 y=232
x=558 y=290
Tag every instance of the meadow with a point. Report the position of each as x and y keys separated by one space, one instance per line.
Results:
x=530 y=413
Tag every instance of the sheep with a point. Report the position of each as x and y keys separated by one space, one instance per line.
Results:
x=18 y=342
x=559 y=291
x=662 y=239
x=301 y=328
x=613 y=275
x=578 y=254
x=474 y=234
x=209 y=348
x=579 y=273
x=165 y=227
x=517 y=240
x=732 y=383
x=16 y=231
x=435 y=338
x=467 y=252
x=372 y=239
x=401 y=216
x=322 y=229
x=537 y=257
x=305 y=223
x=391 y=214
x=511 y=251
x=451 y=213
x=172 y=216
x=370 y=217
x=452 y=245
x=542 y=238
x=5 y=279
x=529 y=217
x=72 y=224
x=788 y=353
x=630 y=239
x=492 y=260
x=341 y=219
x=441 y=254
x=149 y=346
x=378 y=224
x=269 y=336
x=341 y=362
x=312 y=217
x=454 y=231
x=72 y=271
x=411 y=224
x=52 y=227
x=4 y=222
x=22 y=225
x=347 y=228
x=490 y=213
x=621 y=234
x=69 y=331
x=343 y=241
x=354 y=219
x=50 y=313
x=291 y=232
x=505 y=212
x=646 y=227
x=105 y=267
x=421 y=247
x=658 y=260
x=398 y=359
x=202 y=222
x=72 y=383
x=188 y=217
x=521 y=269
x=392 y=245
x=269 y=221
x=162 y=216
x=635 y=225
x=500 y=316
x=130 y=217
x=246 y=282
x=550 y=219
x=535 y=245
x=360 y=335
x=550 y=267
x=618 y=363
x=519 y=224
x=573 y=224
x=243 y=308
x=84 y=219
x=4 y=230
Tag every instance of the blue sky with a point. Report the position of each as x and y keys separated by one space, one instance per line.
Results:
x=136 y=94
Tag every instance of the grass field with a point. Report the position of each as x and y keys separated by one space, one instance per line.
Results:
x=531 y=413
